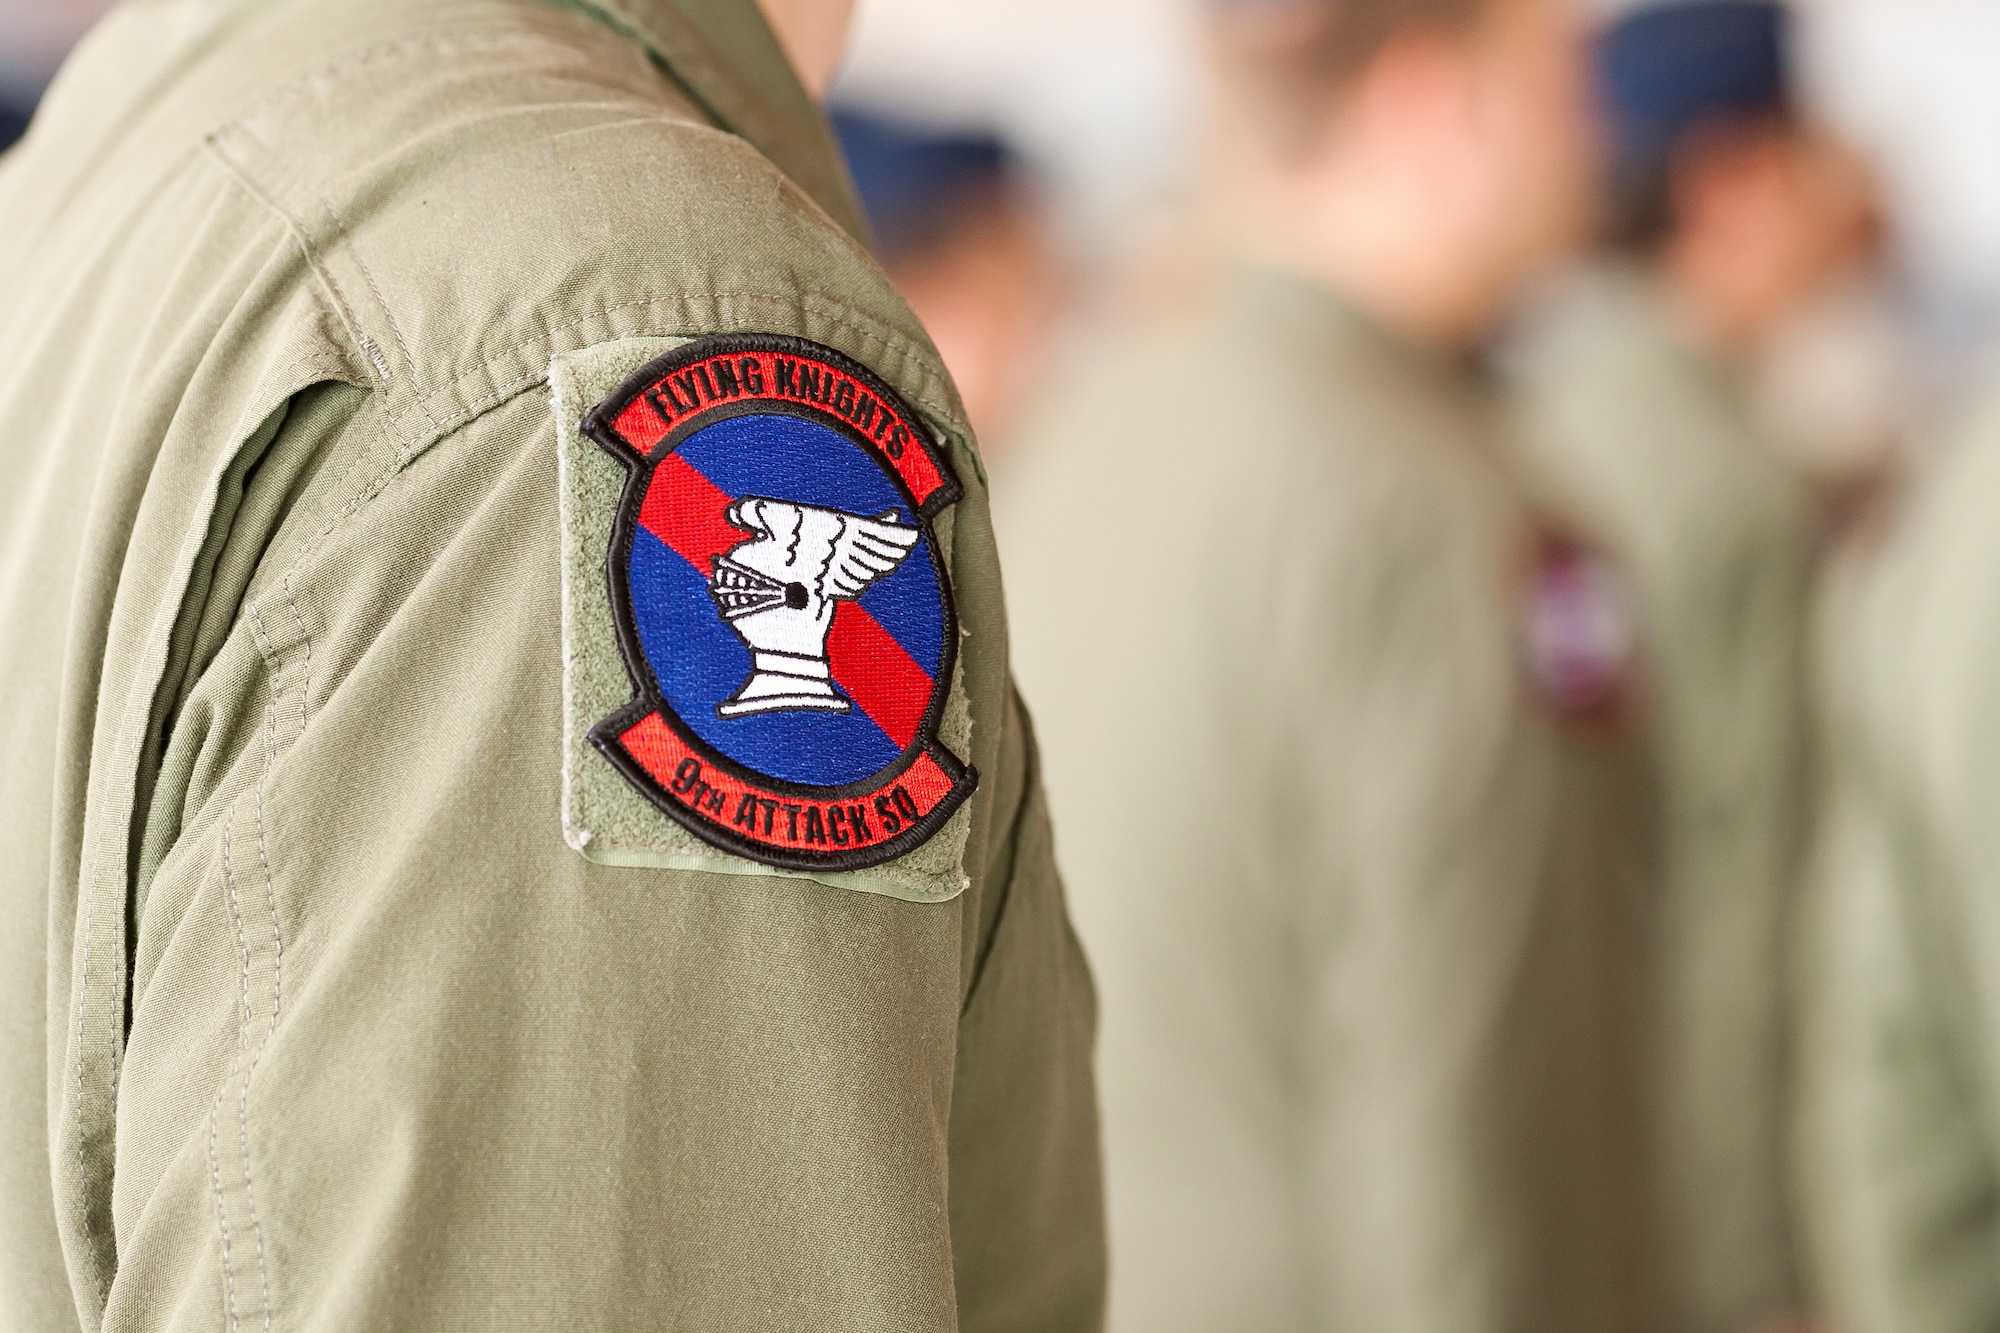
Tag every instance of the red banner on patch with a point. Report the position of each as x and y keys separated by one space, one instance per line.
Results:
x=771 y=376
x=783 y=821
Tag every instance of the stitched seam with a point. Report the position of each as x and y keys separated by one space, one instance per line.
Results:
x=835 y=302
x=354 y=465
x=376 y=360
x=215 y=1112
x=270 y=656
x=368 y=490
x=369 y=278
x=825 y=307
x=305 y=683
x=347 y=239
x=83 y=991
x=497 y=35
x=221 y=1221
x=84 y=988
x=277 y=954
x=512 y=387
x=408 y=447
x=332 y=361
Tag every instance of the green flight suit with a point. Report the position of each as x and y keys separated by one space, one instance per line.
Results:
x=1899 y=1108
x=1359 y=904
x=1646 y=441
x=369 y=995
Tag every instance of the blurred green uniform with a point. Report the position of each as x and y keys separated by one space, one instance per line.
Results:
x=1900 y=1077
x=1646 y=441
x=368 y=996
x=1359 y=900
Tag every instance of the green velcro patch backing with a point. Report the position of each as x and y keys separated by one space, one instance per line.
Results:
x=606 y=817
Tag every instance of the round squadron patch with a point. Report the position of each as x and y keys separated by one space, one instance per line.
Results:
x=1577 y=632
x=781 y=603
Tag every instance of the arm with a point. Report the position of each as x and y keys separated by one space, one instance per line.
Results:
x=1900 y=1168
x=402 y=1058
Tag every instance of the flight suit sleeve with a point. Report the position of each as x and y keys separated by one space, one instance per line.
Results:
x=401 y=1057
x=1899 y=1143
x=1027 y=1205
x=1897 y=1170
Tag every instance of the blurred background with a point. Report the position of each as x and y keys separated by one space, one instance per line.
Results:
x=1096 y=104
x=1066 y=191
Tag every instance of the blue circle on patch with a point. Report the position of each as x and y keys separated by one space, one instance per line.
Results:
x=787 y=599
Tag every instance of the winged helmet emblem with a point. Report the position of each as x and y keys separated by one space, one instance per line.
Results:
x=778 y=591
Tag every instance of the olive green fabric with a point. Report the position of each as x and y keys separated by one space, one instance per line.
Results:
x=1360 y=909
x=1646 y=441
x=1900 y=1069
x=339 y=1031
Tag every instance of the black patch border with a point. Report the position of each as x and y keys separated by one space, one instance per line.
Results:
x=597 y=425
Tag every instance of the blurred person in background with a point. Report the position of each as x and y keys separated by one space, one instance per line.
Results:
x=35 y=35
x=958 y=228
x=1899 y=1105
x=1337 y=726
x=1729 y=213
x=1842 y=392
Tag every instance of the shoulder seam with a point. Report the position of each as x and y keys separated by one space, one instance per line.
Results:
x=679 y=318
x=692 y=314
x=493 y=34
x=824 y=304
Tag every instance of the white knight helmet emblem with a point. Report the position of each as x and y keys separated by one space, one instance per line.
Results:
x=778 y=589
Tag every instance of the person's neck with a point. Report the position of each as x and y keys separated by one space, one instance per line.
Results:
x=1718 y=294
x=1373 y=243
x=813 y=34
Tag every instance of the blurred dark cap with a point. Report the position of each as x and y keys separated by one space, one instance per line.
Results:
x=1671 y=68
x=13 y=124
x=917 y=186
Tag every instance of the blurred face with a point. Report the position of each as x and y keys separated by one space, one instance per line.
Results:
x=1456 y=163
x=1529 y=136
x=1765 y=218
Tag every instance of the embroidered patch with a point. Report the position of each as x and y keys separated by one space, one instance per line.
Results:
x=781 y=604
x=1577 y=632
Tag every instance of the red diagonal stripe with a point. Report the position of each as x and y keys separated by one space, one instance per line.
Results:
x=877 y=672
x=684 y=509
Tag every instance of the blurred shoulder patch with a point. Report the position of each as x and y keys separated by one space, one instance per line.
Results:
x=1578 y=636
x=748 y=528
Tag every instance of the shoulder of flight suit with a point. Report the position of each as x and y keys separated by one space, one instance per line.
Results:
x=398 y=1054
x=1900 y=1150
x=1311 y=821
